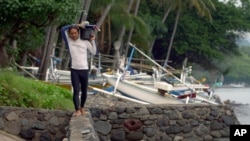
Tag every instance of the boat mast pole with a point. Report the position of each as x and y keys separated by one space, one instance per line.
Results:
x=99 y=64
x=159 y=66
x=130 y=58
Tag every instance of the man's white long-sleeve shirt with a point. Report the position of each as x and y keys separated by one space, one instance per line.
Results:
x=79 y=52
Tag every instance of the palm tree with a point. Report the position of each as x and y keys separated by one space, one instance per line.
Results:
x=132 y=28
x=86 y=6
x=102 y=8
x=47 y=50
x=179 y=6
x=165 y=3
x=118 y=14
x=120 y=39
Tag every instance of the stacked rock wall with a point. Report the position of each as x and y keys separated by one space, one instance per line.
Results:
x=163 y=123
x=125 y=123
x=35 y=124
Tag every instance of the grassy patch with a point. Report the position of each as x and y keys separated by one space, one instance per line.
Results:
x=19 y=91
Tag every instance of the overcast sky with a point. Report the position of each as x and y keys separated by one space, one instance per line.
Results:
x=237 y=2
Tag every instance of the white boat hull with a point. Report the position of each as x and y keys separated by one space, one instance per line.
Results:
x=64 y=76
x=141 y=92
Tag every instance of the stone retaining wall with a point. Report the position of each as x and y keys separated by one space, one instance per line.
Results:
x=35 y=124
x=125 y=123
x=163 y=123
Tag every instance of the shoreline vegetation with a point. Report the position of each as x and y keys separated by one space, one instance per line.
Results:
x=19 y=91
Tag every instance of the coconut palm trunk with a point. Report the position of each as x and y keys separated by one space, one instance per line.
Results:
x=120 y=40
x=4 y=59
x=172 y=38
x=163 y=21
x=48 y=46
x=104 y=15
x=132 y=29
x=85 y=12
x=179 y=5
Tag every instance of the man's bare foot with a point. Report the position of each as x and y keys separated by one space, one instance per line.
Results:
x=82 y=111
x=77 y=113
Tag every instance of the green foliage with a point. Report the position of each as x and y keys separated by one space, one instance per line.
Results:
x=18 y=91
x=27 y=12
x=152 y=16
x=234 y=69
x=97 y=6
x=31 y=38
x=26 y=21
x=141 y=27
x=119 y=17
x=198 y=39
x=238 y=67
x=204 y=42
x=142 y=41
x=18 y=15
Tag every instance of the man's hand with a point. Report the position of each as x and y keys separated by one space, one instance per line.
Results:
x=83 y=24
x=92 y=37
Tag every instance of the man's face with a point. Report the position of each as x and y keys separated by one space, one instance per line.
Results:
x=74 y=34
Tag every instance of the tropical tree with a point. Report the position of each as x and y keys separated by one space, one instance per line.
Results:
x=179 y=6
x=132 y=28
x=17 y=17
x=85 y=10
x=47 y=51
x=164 y=4
x=204 y=43
x=116 y=13
x=119 y=42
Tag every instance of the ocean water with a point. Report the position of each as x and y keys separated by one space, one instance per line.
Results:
x=241 y=98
